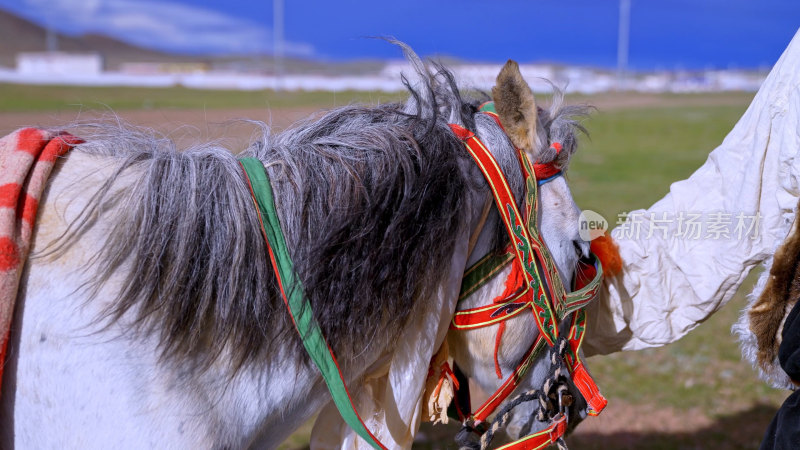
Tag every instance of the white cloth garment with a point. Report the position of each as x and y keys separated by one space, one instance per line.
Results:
x=668 y=285
x=671 y=284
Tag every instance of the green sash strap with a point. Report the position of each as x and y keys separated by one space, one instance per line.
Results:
x=483 y=271
x=294 y=298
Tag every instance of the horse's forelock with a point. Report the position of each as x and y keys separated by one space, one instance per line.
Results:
x=434 y=91
x=560 y=123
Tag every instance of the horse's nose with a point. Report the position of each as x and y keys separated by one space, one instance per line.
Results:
x=581 y=247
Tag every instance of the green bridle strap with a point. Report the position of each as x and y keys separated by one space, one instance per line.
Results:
x=483 y=271
x=293 y=296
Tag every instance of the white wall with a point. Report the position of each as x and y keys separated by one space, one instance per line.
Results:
x=59 y=63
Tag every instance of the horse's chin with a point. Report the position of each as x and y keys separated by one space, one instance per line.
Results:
x=577 y=255
x=567 y=264
x=523 y=419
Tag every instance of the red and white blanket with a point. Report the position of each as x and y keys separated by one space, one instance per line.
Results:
x=27 y=157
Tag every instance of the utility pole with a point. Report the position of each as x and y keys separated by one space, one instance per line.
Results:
x=51 y=39
x=623 y=39
x=277 y=41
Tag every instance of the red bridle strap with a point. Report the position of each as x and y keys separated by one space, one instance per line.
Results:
x=529 y=249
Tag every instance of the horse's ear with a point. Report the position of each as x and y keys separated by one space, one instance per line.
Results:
x=514 y=103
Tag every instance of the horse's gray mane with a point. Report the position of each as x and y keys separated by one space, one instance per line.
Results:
x=370 y=200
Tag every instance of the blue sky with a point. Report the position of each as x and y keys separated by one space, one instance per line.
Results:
x=664 y=33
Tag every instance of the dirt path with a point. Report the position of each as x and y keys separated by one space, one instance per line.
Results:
x=623 y=426
x=186 y=127
x=614 y=101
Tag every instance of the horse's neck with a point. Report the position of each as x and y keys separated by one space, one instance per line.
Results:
x=112 y=381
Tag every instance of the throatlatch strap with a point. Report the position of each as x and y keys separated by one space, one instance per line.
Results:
x=294 y=298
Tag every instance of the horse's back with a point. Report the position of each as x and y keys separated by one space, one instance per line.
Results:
x=69 y=382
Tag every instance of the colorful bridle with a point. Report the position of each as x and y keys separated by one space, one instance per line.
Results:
x=535 y=286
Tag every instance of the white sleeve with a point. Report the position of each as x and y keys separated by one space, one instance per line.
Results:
x=672 y=279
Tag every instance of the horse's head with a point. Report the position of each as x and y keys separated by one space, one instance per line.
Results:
x=548 y=137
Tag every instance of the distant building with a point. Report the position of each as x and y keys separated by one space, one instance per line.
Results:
x=155 y=68
x=59 y=63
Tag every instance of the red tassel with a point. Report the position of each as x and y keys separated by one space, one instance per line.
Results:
x=607 y=251
x=500 y=330
x=514 y=282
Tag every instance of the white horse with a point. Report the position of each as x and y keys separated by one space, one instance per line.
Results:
x=148 y=315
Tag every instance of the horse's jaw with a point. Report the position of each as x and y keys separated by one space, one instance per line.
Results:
x=559 y=227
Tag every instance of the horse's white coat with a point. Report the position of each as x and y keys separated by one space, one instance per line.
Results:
x=73 y=383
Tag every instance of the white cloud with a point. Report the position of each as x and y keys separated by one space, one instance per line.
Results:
x=164 y=24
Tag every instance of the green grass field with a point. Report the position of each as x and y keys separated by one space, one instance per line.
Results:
x=633 y=155
x=636 y=149
x=22 y=98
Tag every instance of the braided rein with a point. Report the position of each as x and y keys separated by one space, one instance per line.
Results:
x=553 y=399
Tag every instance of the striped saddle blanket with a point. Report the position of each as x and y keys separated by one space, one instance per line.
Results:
x=27 y=157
